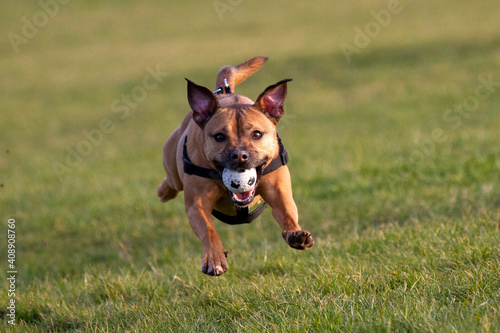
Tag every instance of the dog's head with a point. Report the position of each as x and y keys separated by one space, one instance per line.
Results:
x=241 y=136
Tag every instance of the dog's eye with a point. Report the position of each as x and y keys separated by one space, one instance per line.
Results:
x=256 y=135
x=220 y=137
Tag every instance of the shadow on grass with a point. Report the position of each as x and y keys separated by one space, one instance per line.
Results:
x=413 y=55
x=404 y=56
x=45 y=319
x=418 y=54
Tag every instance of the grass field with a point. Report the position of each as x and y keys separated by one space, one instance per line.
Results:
x=392 y=126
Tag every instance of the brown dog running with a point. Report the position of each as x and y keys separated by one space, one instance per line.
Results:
x=229 y=132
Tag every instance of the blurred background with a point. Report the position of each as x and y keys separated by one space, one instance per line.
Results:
x=392 y=116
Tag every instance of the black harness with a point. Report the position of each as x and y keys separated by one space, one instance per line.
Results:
x=243 y=215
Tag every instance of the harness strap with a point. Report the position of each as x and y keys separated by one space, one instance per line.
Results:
x=192 y=169
x=279 y=161
x=242 y=214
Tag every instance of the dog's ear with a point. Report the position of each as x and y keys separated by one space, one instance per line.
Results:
x=202 y=101
x=272 y=99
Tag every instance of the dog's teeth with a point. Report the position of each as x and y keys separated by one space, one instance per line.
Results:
x=244 y=196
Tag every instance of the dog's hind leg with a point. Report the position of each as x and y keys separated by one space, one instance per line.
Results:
x=165 y=192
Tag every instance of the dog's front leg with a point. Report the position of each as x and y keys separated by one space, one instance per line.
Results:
x=199 y=211
x=277 y=192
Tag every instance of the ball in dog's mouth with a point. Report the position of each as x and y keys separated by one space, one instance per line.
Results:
x=241 y=185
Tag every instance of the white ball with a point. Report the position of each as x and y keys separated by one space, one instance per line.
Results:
x=239 y=182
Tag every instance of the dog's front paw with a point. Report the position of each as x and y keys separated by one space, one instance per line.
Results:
x=299 y=240
x=214 y=262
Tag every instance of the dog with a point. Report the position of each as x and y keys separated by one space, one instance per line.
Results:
x=226 y=133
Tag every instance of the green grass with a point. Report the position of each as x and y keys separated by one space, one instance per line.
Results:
x=406 y=221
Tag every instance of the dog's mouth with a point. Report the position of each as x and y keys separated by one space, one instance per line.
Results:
x=242 y=199
x=242 y=189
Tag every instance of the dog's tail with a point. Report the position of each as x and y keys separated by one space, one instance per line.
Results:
x=229 y=76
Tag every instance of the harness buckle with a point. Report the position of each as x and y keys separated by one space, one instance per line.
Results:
x=225 y=90
x=188 y=166
x=284 y=157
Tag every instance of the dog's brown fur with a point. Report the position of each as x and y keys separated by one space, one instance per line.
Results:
x=239 y=120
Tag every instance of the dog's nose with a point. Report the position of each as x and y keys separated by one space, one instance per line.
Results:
x=239 y=156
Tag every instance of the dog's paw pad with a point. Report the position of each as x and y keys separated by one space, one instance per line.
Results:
x=214 y=264
x=214 y=270
x=299 y=240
